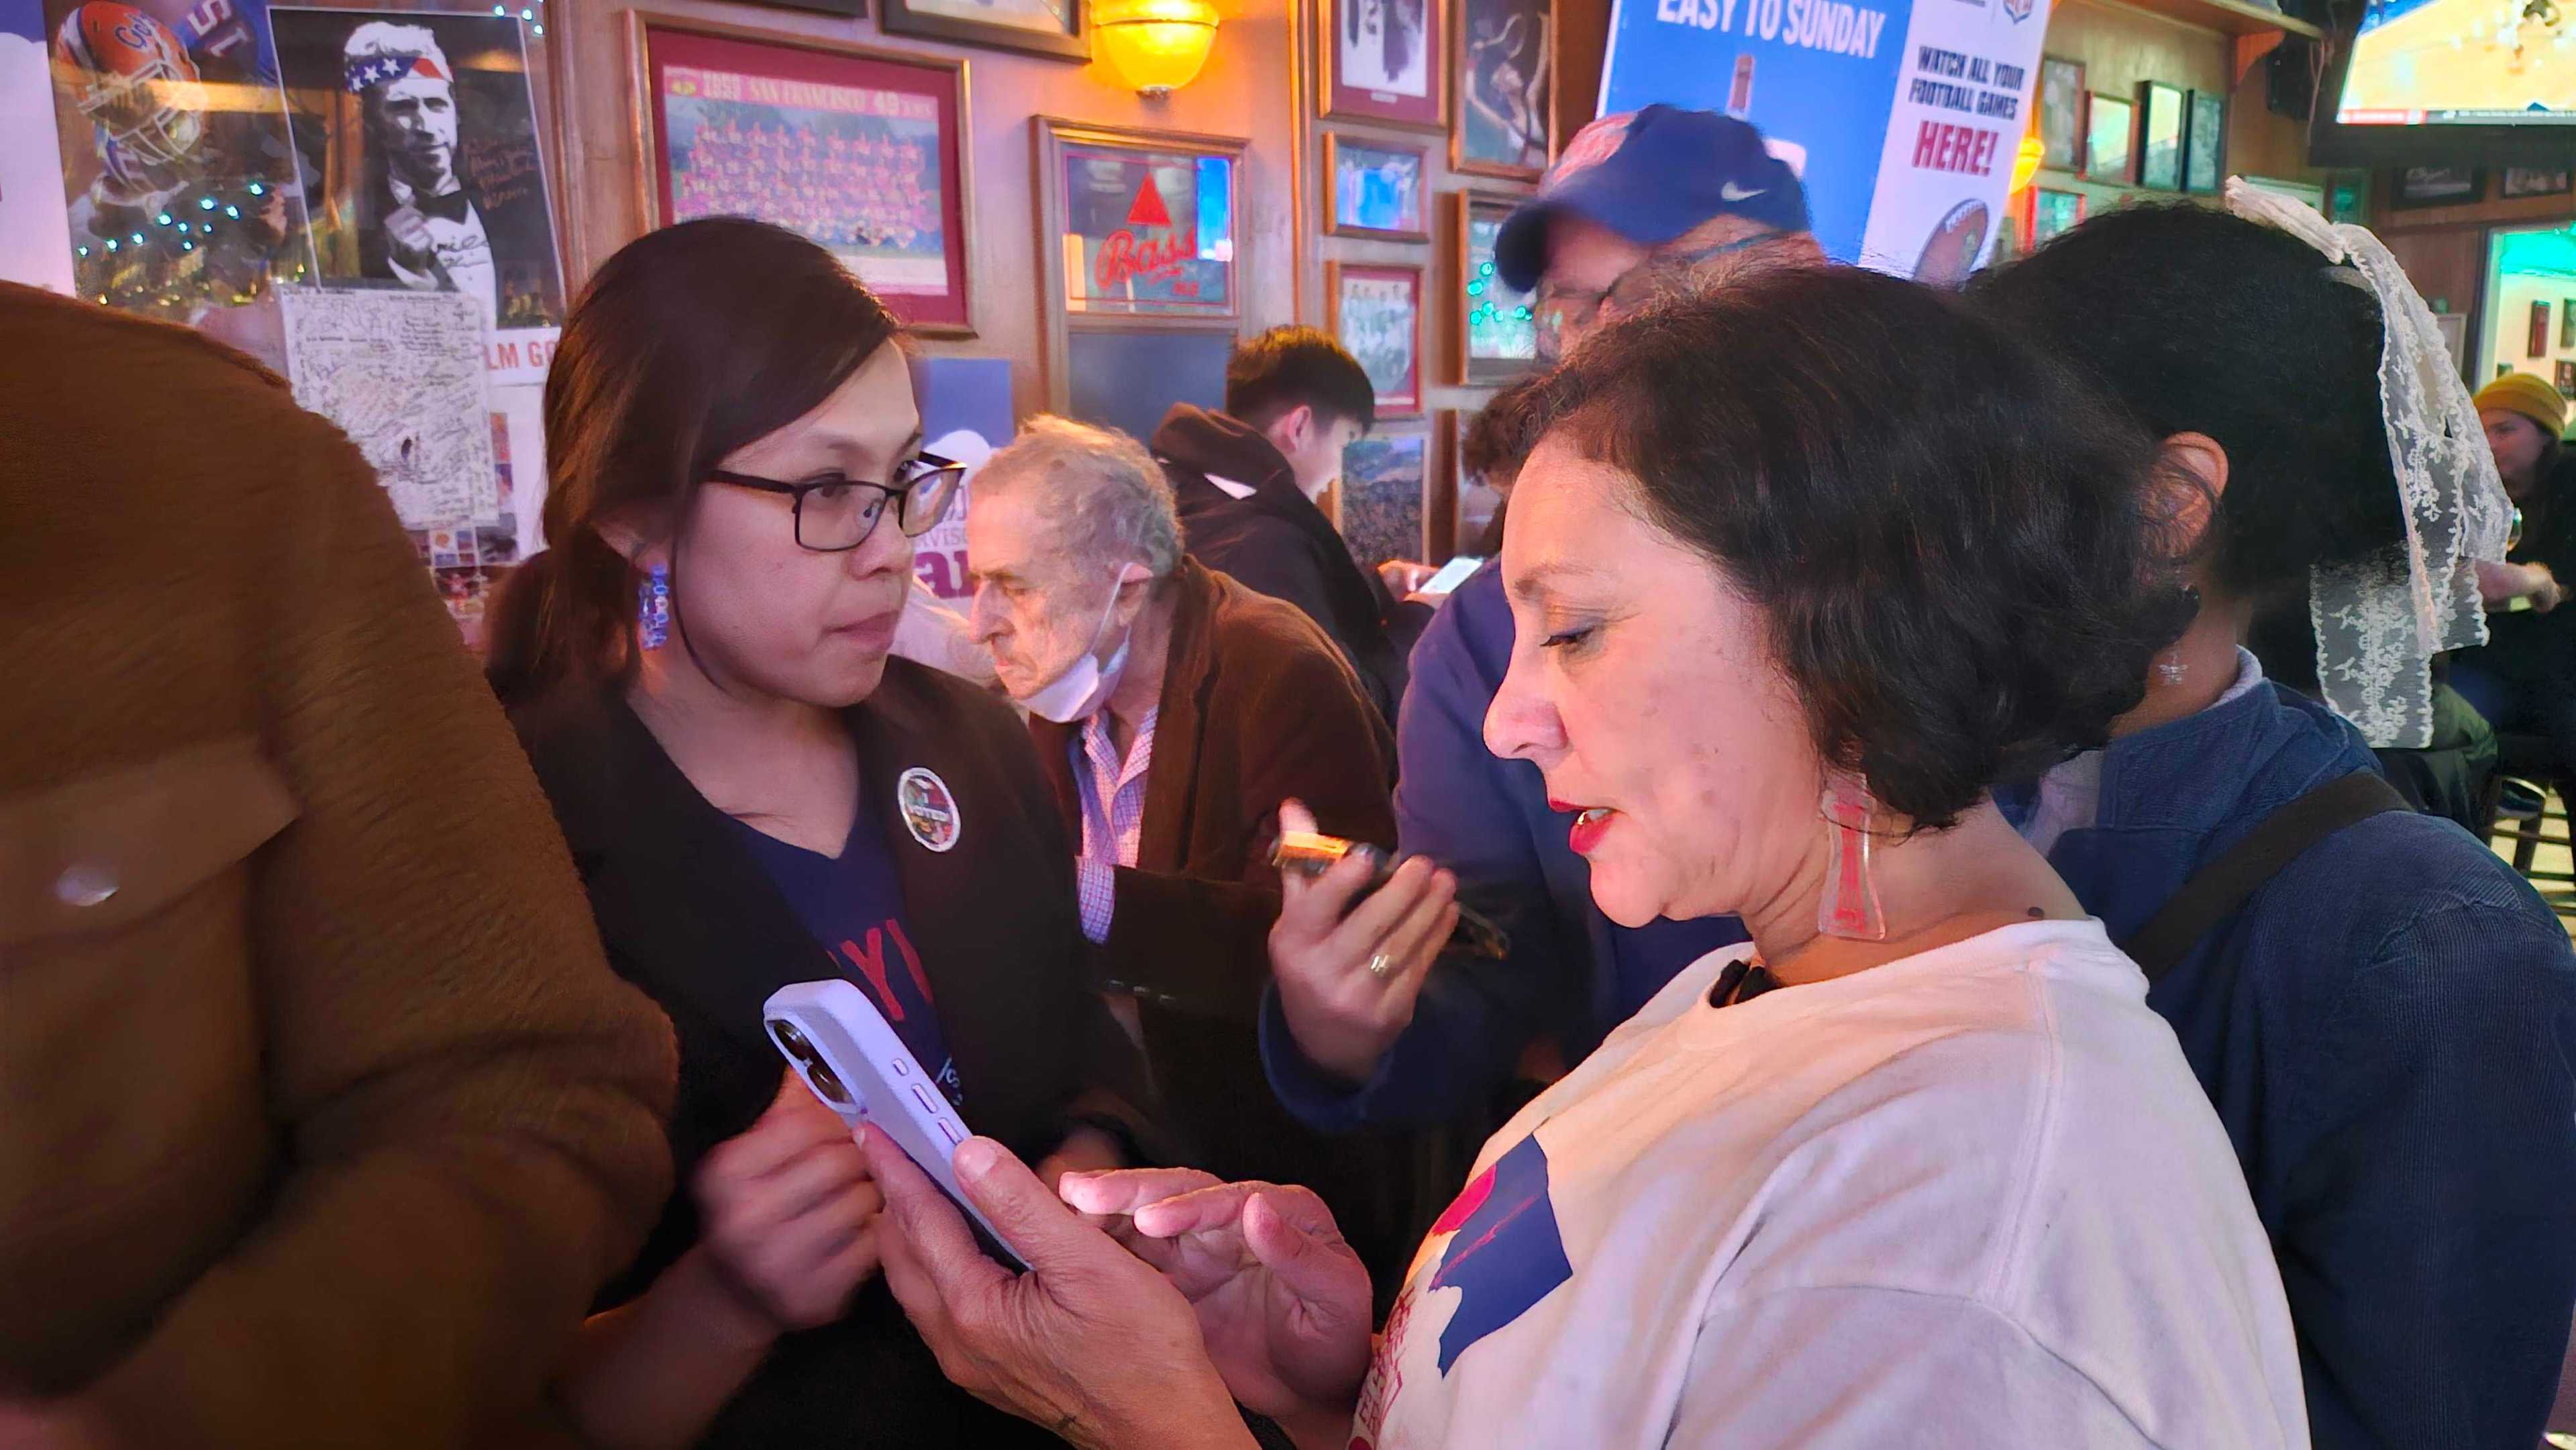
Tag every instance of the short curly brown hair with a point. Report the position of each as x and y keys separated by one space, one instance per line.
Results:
x=1965 y=554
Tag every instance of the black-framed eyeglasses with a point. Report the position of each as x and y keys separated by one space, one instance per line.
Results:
x=835 y=513
x=1561 y=308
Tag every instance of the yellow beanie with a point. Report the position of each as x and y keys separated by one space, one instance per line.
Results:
x=2534 y=398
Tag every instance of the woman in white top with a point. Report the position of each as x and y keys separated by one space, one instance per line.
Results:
x=1796 y=569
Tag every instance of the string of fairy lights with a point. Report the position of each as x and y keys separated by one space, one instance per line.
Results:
x=211 y=240
x=1488 y=312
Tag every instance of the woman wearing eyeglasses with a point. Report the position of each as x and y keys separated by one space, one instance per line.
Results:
x=757 y=794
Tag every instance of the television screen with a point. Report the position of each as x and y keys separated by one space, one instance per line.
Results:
x=2461 y=63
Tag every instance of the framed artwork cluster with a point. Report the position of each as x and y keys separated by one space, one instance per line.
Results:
x=2162 y=138
x=1408 y=273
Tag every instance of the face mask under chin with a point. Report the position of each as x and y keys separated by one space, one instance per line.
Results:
x=1086 y=684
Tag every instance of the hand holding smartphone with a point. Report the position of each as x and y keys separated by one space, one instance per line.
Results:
x=1310 y=854
x=847 y=1054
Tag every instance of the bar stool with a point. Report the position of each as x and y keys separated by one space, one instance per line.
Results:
x=2529 y=800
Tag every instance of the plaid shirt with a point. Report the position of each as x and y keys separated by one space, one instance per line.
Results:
x=1113 y=813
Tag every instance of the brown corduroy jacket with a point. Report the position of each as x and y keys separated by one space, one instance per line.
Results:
x=1257 y=706
x=321 y=1115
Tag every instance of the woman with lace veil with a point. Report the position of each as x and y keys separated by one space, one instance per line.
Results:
x=2383 y=1013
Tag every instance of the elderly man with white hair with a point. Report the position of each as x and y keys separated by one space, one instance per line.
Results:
x=422 y=220
x=1174 y=710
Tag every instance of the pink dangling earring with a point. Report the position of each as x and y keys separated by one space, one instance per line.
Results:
x=1850 y=908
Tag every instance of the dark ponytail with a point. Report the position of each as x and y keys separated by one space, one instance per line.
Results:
x=689 y=343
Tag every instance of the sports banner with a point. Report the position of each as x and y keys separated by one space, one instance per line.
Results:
x=1901 y=116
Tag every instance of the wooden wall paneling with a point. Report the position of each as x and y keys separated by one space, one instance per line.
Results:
x=1249 y=89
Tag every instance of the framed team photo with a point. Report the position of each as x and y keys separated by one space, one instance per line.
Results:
x=863 y=151
x=1376 y=312
x=1373 y=189
x=423 y=131
x=1381 y=60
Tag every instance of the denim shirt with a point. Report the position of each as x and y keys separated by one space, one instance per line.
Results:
x=2386 y=1029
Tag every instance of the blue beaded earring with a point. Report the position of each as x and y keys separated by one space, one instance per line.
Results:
x=653 y=607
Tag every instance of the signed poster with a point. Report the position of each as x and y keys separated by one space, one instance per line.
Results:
x=1146 y=231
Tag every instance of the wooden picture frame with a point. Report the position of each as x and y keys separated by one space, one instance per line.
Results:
x=2517 y=182
x=1056 y=143
x=1461 y=506
x=2537 y=343
x=876 y=101
x=1350 y=215
x=1384 y=503
x=2414 y=188
x=2061 y=113
x=1508 y=347
x=1357 y=298
x=2204 y=150
x=1501 y=85
x=2110 y=120
x=2164 y=120
x=1345 y=90
x=938 y=20
x=2053 y=212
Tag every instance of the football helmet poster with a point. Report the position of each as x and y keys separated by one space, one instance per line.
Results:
x=182 y=195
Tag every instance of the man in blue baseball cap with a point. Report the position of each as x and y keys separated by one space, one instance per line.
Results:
x=1646 y=203
x=1638 y=206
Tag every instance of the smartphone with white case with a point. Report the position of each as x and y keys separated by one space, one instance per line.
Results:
x=850 y=1058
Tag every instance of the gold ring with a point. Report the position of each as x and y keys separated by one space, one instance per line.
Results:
x=1380 y=965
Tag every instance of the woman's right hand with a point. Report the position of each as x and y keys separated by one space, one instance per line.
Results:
x=1347 y=984
x=1283 y=1303
x=790 y=1212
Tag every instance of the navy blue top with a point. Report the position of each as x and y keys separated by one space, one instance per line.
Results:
x=1571 y=973
x=2388 y=1031
x=852 y=905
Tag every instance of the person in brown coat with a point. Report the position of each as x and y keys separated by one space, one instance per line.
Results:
x=1174 y=710
x=325 y=1117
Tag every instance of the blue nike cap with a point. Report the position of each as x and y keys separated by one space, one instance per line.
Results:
x=1651 y=177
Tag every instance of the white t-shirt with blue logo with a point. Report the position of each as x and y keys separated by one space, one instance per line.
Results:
x=1971 y=1198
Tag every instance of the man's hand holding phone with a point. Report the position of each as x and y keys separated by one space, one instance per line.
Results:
x=1348 y=983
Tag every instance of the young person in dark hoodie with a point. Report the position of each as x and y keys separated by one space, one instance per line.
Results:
x=1247 y=480
x=2385 y=1023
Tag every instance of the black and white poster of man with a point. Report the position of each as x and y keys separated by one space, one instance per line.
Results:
x=423 y=133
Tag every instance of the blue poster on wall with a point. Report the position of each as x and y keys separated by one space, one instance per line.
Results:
x=965 y=415
x=1901 y=116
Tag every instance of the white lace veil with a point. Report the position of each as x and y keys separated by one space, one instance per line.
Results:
x=2380 y=623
